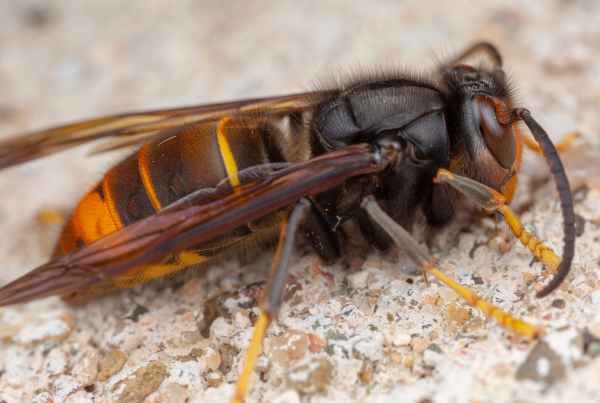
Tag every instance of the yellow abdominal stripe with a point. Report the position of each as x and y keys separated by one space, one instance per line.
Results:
x=226 y=154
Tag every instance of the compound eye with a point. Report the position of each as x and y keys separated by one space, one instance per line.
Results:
x=499 y=138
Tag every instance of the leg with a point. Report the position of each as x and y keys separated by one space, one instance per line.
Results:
x=421 y=258
x=491 y=200
x=273 y=295
x=564 y=145
x=325 y=240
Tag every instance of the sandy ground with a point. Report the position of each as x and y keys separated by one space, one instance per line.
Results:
x=386 y=336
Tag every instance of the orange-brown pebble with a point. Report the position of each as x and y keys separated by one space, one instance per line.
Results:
x=212 y=358
x=430 y=299
x=292 y=344
x=310 y=376
x=528 y=277
x=86 y=370
x=141 y=383
x=146 y=319
x=419 y=345
x=474 y=324
x=366 y=373
x=505 y=247
x=187 y=317
x=539 y=287
x=456 y=313
x=316 y=344
x=396 y=357
x=214 y=379
x=113 y=362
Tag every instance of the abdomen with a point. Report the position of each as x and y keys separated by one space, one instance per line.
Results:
x=163 y=171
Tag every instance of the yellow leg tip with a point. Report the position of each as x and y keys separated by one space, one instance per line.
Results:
x=260 y=329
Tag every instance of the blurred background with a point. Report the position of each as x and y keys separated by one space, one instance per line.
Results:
x=63 y=61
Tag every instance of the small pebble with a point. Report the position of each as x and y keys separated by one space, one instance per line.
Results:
x=52 y=325
x=242 y=340
x=593 y=350
x=221 y=329
x=292 y=344
x=212 y=358
x=181 y=311
x=146 y=319
x=474 y=324
x=368 y=349
x=158 y=303
x=433 y=355
x=65 y=388
x=86 y=370
x=262 y=364
x=134 y=384
x=558 y=303
x=242 y=321
x=447 y=294
x=528 y=277
x=190 y=336
x=366 y=373
x=456 y=313
x=430 y=299
x=214 y=379
x=396 y=357
x=401 y=339
x=316 y=344
x=187 y=358
x=113 y=362
x=57 y=361
x=542 y=364
x=419 y=345
x=587 y=282
x=310 y=376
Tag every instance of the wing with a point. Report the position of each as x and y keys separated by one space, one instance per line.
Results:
x=133 y=128
x=189 y=222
